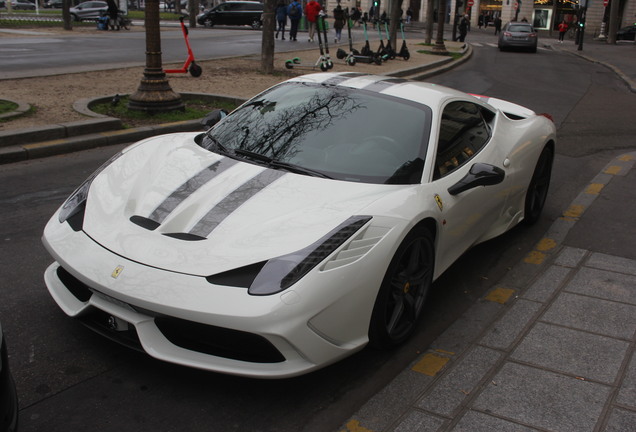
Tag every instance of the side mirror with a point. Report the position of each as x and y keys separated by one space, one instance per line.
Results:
x=480 y=174
x=212 y=118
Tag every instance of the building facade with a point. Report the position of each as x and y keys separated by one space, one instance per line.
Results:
x=544 y=14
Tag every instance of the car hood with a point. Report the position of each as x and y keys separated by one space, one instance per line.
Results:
x=171 y=204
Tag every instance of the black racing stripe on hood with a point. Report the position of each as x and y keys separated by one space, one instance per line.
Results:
x=343 y=77
x=189 y=187
x=379 y=86
x=234 y=200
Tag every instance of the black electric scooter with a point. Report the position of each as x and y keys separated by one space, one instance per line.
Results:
x=404 y=51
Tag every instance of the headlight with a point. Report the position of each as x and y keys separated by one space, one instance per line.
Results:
x=280 y=273
x=77 y=200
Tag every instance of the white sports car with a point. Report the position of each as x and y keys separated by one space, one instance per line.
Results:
x=306 y=224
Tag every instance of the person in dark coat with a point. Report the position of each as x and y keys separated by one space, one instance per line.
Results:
x=113 y=12
x=294 y=12
x=281 y=19
x=338 y=22
x=463 y=28
x=497 y=25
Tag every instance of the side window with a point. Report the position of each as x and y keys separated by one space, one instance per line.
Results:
x=463 y=132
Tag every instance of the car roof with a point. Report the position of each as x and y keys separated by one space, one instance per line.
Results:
x=432 y=95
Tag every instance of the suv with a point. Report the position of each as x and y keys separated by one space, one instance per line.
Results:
x=233 y=13
x=88 y=10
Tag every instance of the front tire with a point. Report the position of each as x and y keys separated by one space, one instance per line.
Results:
x=538 y=188
x=404 y=289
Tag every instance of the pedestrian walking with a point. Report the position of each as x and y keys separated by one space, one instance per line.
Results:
x=294 y=12
x=463 y=28
x=338 y=22
x=281 y=18
x=563 y=28
x=312 y=10
x=497 y=25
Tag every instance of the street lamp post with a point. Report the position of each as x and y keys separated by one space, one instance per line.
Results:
x=154 y=94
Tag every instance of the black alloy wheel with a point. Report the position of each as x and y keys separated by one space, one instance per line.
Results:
x=538 y=188
x=404 y=290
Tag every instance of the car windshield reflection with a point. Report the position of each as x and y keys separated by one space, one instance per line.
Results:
x=341 y=133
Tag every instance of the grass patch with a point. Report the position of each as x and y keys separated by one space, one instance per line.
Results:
x=7 y=107
x=194 y=109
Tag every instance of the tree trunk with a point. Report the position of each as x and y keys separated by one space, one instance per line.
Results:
x=394 y=24
x=430 y=11
x=267 y=41
x=66 y=15
x=440 y=47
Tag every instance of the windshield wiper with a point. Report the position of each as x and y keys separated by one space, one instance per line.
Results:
x=298 y=169
x=276 y=164
x=253 y=155
x=217 y=146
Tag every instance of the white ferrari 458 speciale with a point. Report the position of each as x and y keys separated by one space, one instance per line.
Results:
x=309 y=222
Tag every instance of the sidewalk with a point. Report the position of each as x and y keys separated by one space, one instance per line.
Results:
x=550 y=348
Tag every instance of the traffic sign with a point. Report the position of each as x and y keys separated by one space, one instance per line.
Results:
x=470 y=3
x=605 y=3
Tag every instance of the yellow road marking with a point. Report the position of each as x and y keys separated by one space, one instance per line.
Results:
x=614 y=169
x=574 y=212
x=354 y=426
x=626 y=158
x=594 y=188
x=546 y=244
x=500 y=295
x=535 y=257
x=430 y=364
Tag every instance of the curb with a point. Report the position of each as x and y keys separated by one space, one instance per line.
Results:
x=439 y=387
x=51 y=140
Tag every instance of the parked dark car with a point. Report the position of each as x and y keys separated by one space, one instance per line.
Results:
x=53 y=4
x=90 y=10
x=627 y=33
x=520 y=35
x=8 y=395
x=233 y=13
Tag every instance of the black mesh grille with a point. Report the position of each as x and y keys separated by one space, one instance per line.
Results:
x=97 y=320
x=217 y=341
x=78 y=288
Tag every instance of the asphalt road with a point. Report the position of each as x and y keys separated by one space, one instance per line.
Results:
x=70 y=379
x=42 y=56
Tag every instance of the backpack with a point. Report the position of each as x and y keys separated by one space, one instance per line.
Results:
x=293 y=11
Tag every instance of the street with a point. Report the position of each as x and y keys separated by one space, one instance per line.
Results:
x=70 y=379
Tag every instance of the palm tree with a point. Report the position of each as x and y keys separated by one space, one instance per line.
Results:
x=154 y=93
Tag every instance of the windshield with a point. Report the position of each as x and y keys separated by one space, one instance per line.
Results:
x=337 y=132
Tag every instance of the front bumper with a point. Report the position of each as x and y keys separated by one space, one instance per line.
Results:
x=184 y=319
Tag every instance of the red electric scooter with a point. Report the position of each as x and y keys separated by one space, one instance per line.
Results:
x=189 y=65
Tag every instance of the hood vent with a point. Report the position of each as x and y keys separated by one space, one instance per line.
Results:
x=144 y=222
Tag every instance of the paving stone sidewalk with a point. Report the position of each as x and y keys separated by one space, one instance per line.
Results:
x=550 y=348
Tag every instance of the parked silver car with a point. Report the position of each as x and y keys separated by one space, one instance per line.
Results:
x=521 y=35
x=90 y=10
